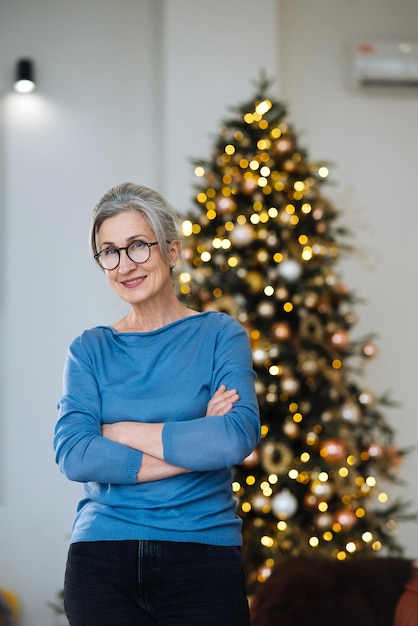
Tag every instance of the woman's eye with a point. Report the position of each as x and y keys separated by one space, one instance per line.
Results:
x=137 y=245
x=109 y=252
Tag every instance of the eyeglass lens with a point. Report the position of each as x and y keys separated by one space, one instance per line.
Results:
x=138 y=252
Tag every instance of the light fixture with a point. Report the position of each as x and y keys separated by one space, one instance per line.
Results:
x=25 y=81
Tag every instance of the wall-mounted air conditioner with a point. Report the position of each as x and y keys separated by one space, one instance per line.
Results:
x=385 y=63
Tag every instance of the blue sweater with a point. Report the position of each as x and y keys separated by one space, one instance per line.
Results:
x=167 y=375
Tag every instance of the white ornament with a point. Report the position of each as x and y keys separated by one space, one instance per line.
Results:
x=259 y=502
x=284 y=504
x=350 y=412
x=242 y=235
x=290 y=270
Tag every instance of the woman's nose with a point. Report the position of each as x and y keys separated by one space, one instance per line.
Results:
x=125 y=263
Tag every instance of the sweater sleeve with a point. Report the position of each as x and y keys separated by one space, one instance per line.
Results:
x=81 y=451
x=217 y=442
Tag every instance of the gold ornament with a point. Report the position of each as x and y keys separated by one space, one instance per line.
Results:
x=225 y=304
x=311 y=299
x=255 y=281
x=262 y=256
x=311 y=328
x=281 y=293
x=276 y=457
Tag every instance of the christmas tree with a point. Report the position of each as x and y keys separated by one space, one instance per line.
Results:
x=262 y=245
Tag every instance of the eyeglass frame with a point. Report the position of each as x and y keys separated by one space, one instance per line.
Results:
x=126 y=248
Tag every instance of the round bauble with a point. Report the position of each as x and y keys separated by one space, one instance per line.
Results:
x=318 y=213
x=311 y=299
x=260 y=355
x=367 y=398
x=350 y=412
x=282 y=331
x=224 y=304
x=333 y=450
x=309 y=365
x=284 y=504
x=276 y=457
x=281 y=293
x=266 y=309
x=283 y=145
x=255 y=281
x=290 y=270
x=242 y=235
x=346 y=518
x=370 y=349
x=291 y=429
x=289 y=385
x=321 y=228
x=340 y=339
x=249 y=185
x=375 y=450
x=350 y=318
x=225 y=204
x=323 y=521
x=260 y=503
x=271 y=240
x=321 y=490
x=310 y=501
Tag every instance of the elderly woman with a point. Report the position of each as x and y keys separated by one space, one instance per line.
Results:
x=155 y=411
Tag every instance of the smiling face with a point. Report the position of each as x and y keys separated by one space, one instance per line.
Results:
x=137 y=284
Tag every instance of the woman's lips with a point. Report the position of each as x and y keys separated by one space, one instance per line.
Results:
x=133 y=282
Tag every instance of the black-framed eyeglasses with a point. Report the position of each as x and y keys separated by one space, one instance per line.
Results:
x=137 y=251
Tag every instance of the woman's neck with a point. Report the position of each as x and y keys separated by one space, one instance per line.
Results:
x=145 y=319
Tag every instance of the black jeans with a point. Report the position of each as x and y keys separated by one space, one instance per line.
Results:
x=154 y=583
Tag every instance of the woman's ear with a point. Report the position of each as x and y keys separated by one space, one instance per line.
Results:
x=174 y=251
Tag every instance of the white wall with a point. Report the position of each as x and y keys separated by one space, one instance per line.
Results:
x=370 y=138
x=127 y=90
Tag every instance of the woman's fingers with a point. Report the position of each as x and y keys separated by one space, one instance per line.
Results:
x=222 y=401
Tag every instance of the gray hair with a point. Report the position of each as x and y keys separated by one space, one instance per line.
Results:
x=130 y=197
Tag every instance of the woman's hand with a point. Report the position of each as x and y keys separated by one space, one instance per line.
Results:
x=222 y=401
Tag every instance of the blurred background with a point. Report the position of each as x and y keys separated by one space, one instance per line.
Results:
x=133 y=90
